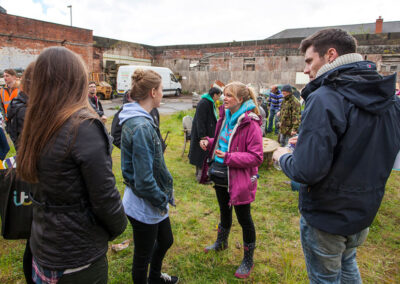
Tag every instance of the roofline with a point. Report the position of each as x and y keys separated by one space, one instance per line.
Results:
x=49 y=22
x=327 y=27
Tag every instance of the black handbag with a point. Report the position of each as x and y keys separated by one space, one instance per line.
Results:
x=218 y=173
x=15 y=206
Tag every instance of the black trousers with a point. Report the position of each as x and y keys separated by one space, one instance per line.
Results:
x=96 y=273
x=152 y=242
x=243 y=214
x=27 y=263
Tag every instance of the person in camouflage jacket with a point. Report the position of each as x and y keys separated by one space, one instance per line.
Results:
x=289 y=115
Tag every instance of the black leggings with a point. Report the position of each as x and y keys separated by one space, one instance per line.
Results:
x=152 y=242
x=243 y=215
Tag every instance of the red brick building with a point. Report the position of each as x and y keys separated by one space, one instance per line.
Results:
x=259 y=62
x=22 y=40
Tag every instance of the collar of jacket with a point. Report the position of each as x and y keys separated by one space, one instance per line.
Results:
x=330 y=76
x=247 y=117
x=208 y=97
x=341 y=60
x=243 y=120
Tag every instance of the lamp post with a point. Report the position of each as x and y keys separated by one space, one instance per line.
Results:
x=70 y=12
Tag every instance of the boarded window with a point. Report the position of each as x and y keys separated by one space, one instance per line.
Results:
x=390 y=63
x=249 y=64
x=199 y=65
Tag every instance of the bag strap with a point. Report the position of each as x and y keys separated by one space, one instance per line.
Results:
x=58 y=208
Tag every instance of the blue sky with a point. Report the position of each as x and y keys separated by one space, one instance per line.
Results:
x=167 y=22
x=44 y=5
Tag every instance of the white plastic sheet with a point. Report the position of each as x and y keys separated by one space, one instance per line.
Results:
x=396 y=165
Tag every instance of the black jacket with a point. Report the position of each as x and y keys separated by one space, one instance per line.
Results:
x=203 y=125
x=348 y=141
x=96 y=105
x=75 y=169
x=16 y=116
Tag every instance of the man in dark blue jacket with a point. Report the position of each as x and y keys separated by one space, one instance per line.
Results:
x=347 y=144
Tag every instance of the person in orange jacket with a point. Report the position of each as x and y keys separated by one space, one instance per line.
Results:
x=8 y=92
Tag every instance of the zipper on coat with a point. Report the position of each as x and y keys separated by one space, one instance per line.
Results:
x=229 y=146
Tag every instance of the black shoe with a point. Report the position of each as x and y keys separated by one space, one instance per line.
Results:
x=165 y=278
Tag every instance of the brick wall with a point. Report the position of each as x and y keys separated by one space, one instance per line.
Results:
x=22 y=40
x=97 y=59
x=261 y=63
x=123 y=48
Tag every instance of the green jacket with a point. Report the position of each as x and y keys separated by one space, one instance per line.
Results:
x=289 y=115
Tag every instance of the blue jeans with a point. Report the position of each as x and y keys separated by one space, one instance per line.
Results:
x=272 y=114
x=330 y=258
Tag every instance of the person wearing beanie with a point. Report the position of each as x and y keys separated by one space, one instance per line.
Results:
x=289 y=115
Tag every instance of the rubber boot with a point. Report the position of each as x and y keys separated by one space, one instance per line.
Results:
x=222 y=240
x=247 y=264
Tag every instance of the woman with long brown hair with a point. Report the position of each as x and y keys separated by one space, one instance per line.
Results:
x=65 y=153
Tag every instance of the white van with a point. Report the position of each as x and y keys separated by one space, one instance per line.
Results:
x=171 y=85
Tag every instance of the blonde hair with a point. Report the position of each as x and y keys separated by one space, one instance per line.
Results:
x=241 y=91
x=142 y=83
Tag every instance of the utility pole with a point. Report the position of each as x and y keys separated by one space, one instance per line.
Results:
x=70 y=12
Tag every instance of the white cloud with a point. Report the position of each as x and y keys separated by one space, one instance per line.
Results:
x=166 y=22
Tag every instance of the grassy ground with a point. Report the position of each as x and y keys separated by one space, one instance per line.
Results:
x=278 y=256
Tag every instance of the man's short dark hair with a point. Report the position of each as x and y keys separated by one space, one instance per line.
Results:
x=214 y=91
x=92 y=82
x=10 y=72
x=339 y=39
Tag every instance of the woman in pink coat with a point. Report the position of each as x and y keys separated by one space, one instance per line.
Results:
x=235 y=154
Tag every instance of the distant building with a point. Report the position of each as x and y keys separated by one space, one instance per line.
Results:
x=2 y=10
x=275 y=60
x=370 y=28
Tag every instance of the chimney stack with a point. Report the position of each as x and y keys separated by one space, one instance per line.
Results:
x=379 y=25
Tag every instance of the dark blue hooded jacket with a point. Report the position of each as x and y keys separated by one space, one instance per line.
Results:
x=348 y=141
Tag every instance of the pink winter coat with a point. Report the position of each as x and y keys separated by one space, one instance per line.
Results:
x=244 y=155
